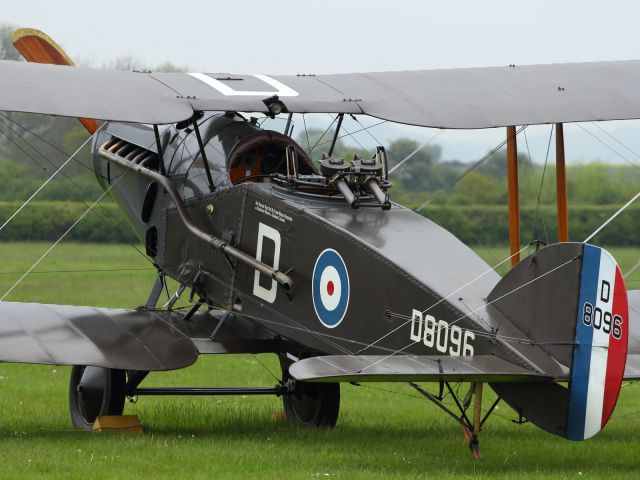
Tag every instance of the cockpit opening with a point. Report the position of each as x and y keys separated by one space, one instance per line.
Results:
x=256 y=157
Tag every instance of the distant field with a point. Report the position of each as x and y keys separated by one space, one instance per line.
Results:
x=380 y=434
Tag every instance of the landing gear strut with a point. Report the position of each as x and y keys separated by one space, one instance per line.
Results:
x=95 y=391
x=470 y=427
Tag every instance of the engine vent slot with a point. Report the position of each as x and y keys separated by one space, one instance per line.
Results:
x=132 y=152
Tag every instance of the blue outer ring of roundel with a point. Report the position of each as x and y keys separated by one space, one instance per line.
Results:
x=330 y=257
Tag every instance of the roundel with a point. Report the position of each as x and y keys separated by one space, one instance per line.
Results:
x=330 y=288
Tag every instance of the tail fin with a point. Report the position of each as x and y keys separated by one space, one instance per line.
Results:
x=36 y=46
x=571 y=300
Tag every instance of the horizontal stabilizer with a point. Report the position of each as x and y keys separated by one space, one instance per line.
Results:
x=101 y=337
x=410 y=368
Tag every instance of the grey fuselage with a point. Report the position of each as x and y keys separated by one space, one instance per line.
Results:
x=400 y=267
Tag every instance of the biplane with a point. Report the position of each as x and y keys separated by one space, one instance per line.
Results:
x=312 y=261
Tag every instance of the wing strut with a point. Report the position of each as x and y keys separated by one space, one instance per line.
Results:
x=561 y=186
x=335 y=135
x=203 y=154
x=512 y=188
x=156 y=132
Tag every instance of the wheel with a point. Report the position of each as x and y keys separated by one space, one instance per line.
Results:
x=310 y=404
x=93 y=392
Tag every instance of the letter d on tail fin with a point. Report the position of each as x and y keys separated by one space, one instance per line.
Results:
x=570 y=300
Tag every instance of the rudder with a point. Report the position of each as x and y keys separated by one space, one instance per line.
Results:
x=571 y=300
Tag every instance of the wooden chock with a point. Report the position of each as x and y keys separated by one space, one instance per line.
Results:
x=118 y=423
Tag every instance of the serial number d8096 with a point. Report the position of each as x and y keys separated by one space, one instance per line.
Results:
x=601 y=319
x=605 y=321
x=448 y=339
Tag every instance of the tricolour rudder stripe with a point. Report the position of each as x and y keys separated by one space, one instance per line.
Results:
x=617 y=349
x=600 y=352
x=582 y=351
x=599 y=342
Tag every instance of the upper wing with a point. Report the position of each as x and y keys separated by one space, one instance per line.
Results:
x=455 y=98
x=410 y=368
x=84 y=92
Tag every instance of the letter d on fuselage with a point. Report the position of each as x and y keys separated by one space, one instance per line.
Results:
x=265 y=231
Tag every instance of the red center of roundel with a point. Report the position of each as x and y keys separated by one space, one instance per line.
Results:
x=330 y=287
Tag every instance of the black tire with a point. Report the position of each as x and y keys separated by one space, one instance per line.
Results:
x=94 y=392
x=310 y=404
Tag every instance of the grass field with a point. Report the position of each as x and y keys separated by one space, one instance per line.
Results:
x=380 y=434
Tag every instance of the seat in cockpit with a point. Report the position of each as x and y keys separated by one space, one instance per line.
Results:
x=257 y=156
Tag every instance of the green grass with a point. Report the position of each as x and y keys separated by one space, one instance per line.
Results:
x=379 y=434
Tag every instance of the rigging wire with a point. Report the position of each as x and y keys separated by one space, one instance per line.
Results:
x=377 y=142
x=420 y=147
x=472 y=167
x=92 y=270
x=51 y=177
x=89 y=209
x=615 y=139
x=306 y=132
x=612 y=217
x=70 y=179
x=266 y=368
x=633 y=164
x=455 y=181
x=632 y=269
x=44 y=140
x=408 y=157
x=533 y=179
x=443 y=401
x=351 y=135
x=321 y=136
x=44 y=157
x=354 y=132
x=44 y=255
x=36 y=150
x=55 y=147
x=26 y=154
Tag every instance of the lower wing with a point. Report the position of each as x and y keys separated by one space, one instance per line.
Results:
x=101 y=337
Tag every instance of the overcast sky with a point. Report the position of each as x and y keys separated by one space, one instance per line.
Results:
x=329 y=36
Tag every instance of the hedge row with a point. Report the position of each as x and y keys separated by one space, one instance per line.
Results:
x=489 y=224
x=484 y=225
x=38 y=221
